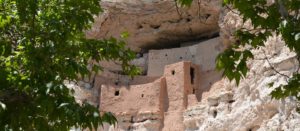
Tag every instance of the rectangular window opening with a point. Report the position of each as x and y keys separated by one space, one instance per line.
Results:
x=117 y=93
x=192 y=74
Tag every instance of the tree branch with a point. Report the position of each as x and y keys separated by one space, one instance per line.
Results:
x=273 y=68
x=227 y=7
x=177 y=9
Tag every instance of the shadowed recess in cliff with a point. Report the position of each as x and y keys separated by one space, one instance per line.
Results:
x=179 y=41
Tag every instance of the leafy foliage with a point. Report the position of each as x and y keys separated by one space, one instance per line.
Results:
x=42 y=45
x=280 y=17
x=184 y=2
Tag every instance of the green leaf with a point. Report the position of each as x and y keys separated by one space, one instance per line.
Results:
x=125 y=35
x=42 y=44
x=271 y=84
x=185 y=2
x=226 y=1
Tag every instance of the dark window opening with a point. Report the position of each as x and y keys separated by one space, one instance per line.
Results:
x=142 y=95
x=173 y=72
x=166 y=55
x=180 y=57
x=188 y=19
x=231 y=101
x=131 y=119
x=140 y=27
x=215 y=114
x=117 y=93
x=207 y=16
x=194 y=91
x=192 y=74
x=155 y=26
x=216 y=104
x=116 y=83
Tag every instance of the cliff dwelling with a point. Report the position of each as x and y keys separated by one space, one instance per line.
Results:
x=179 y=87
x=176 y=55
x=71 y=65
x=161 y=101
x=173 y=80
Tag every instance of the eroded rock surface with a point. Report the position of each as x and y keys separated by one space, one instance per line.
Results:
x=248 y=107
x=227 y=107
x=156 y=23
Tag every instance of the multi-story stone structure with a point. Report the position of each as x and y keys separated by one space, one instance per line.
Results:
x=162 y=97
x=155 y=100
x=176 y=50
x=162 y=102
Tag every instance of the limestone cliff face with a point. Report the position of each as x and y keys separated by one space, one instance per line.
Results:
x=228 y=107
x=156 y=23
x=248 y=107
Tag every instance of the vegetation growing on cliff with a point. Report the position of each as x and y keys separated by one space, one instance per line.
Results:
x=42 y=45
x=280 y=17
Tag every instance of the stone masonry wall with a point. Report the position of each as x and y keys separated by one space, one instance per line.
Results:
x=162 y=101
x=203 y=54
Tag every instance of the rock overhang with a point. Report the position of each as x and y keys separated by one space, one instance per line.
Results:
x=156 y=24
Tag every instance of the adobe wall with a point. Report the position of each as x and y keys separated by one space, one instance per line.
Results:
x=180 y=83
x=132 y=99
x=174 y=75
x=133 y=104
x=111 y=78
x=162 y=101
x=140 y=61
x=89 y=89
x=202 y=54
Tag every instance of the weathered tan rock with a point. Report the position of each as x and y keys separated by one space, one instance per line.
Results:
x=249 y=106
x=229 y=22
x=227 y=107
x=156 y=23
